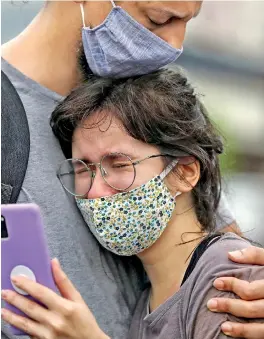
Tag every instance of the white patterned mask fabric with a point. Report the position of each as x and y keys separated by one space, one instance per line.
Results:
x=128 y=223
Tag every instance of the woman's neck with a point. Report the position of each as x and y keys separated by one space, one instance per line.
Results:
x=167 y=260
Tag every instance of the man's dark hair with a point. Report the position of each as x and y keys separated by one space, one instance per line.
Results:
x=160 y=109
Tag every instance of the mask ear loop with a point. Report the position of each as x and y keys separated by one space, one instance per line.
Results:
x=177 y=194
x=167 y=170
x=82 y=13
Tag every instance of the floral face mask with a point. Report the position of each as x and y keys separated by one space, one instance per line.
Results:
x=128 y=223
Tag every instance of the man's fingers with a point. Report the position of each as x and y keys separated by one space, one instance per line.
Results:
x=245 y=290
x=251 y=255
x=64 y=284
x=247 y=331
x=237 y=307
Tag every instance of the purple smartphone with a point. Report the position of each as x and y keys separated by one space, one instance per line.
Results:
x=24 y=249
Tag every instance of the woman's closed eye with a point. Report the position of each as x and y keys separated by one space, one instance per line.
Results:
x=81 y=171
x=122 y=165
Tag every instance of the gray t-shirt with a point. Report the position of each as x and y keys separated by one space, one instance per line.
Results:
x=185 y=314
x=110 y=285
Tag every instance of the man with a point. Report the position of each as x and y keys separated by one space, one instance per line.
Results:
x=42 y=63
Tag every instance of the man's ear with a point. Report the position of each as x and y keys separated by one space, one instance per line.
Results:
x=185 y=175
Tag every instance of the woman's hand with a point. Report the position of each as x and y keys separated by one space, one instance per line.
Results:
x=252 y=295
x=66 y=316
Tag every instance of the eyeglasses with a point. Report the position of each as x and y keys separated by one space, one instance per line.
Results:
x=117 y=170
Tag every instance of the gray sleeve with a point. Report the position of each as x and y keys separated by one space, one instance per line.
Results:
x=5 y=333
x=202 y=323
x=224 y=214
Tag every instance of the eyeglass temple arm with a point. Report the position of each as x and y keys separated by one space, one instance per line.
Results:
x=152 y=156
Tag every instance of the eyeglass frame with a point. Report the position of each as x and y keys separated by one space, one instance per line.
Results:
x=99 y=165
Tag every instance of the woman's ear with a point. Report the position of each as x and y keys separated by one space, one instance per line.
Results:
x=184 y=177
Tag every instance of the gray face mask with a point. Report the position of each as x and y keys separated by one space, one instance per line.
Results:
x=122 y=47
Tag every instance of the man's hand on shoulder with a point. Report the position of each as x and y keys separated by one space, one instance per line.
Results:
x=251 y=304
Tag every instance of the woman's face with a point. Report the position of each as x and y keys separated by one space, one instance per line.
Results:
x=91 y=143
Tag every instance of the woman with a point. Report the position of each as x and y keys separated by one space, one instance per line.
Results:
x=144 y=169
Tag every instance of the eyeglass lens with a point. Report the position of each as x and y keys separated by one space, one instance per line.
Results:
x=116 y=169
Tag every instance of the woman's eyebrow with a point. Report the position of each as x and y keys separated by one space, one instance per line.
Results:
x=86 y=159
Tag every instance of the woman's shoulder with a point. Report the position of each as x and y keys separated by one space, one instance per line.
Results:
x=214 y=263
x=219 y=249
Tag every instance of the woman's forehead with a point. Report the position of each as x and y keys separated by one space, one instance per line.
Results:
x=100 y=126
x=105 y=134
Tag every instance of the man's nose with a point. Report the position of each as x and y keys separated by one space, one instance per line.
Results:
x=174 y=33
x=99 y=187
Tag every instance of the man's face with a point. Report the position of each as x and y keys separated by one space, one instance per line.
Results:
x=166 y=19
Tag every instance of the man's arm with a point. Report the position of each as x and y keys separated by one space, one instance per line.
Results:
x=251 y=293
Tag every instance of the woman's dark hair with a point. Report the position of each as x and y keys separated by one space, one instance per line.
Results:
x=160 y=109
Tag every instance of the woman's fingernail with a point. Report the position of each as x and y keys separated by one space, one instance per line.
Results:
x=57 y=262
x=219 y=284
x=4 y=294
x=227 y=328
x=212 y=304
x=236 y=254
x=15 y=280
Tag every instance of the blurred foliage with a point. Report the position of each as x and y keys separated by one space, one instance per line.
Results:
x=230 y=162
